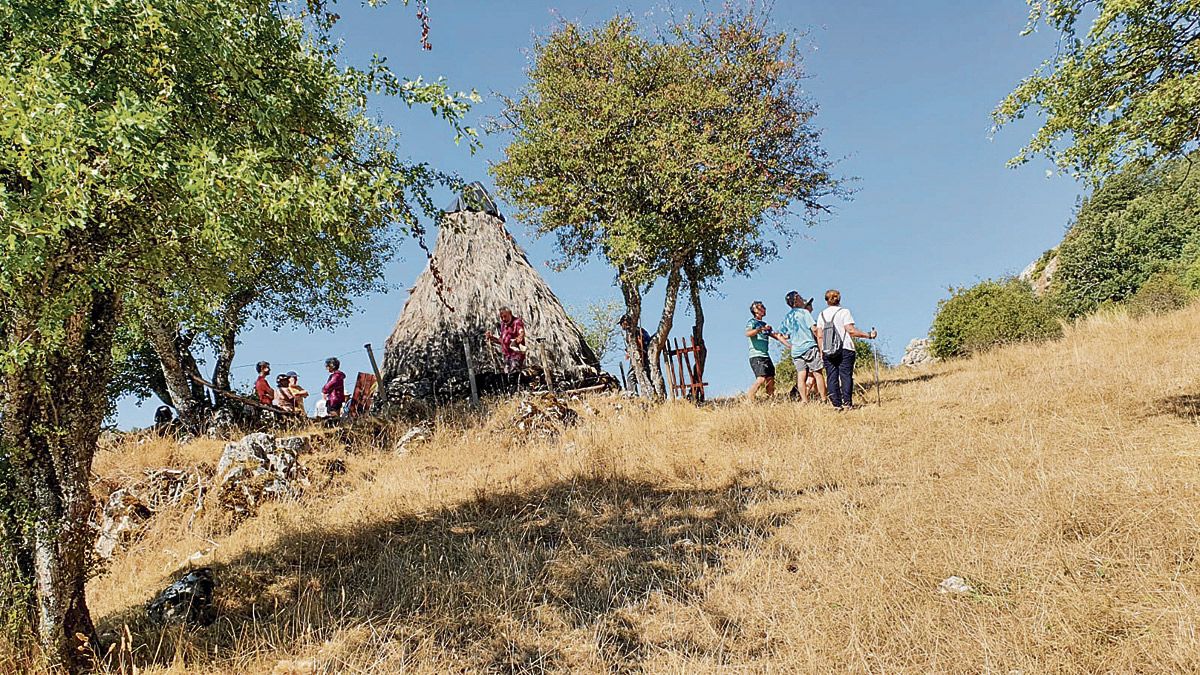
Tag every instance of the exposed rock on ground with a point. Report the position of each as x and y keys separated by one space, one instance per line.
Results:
x=954 y=586
x=543 y=414
x=188 y=601
x=126 y=509
x=918 y=353
x=258 y=468
x=120 y=518
x=413 y=437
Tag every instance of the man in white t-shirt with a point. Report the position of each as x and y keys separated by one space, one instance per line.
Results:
x=835 y=337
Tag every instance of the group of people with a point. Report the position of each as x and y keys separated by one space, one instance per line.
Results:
x=288 y=395
x=822 y=349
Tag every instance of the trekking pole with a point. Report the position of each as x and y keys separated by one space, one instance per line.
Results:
x=875 y=354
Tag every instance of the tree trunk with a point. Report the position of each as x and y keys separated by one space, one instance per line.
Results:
x=658 y=341
x=53 y=409
x=226 y=348
x=639 y=365
x=698 y=326
x=179 y=366
x=231 y=325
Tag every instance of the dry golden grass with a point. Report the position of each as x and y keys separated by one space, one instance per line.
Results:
x=1061 y=480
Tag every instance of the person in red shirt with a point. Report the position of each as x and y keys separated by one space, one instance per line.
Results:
x=262 y=388
x=335 y=387
x=511 y=340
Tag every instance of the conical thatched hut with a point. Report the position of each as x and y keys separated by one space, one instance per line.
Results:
x=481 y=269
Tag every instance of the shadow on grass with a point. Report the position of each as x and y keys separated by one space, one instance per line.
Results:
x=1186 y=406
x=924 y=377
x=496 y=583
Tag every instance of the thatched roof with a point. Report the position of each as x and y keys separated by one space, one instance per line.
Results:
x=482 y=269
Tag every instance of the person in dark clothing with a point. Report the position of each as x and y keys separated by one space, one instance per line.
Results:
x=835 y=335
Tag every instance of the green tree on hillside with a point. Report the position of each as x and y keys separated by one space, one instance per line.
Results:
x=1138 y=223
x=148 y=151
x=672 y=159
x=1126 y=88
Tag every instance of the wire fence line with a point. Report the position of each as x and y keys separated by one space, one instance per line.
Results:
x=339 y=356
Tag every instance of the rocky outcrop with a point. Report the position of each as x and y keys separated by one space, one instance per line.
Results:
x=1040 y=272
x=918 y=353
x=259 y=468
x=122 y=514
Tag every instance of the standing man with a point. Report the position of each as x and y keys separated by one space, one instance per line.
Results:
x=760 y=358
x=800 y=329
x=511 y=341
x=835 y=336
x=262 y=388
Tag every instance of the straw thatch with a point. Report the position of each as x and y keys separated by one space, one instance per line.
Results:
x=482 y=269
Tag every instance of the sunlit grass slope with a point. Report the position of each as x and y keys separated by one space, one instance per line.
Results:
x=1061 y=481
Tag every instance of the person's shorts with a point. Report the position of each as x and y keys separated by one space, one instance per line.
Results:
x=762 y=366
x=811 y=359
x=334 y=409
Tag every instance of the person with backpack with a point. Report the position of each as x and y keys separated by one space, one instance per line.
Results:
x=835 y=337
x=760 y=334
x=799 y=328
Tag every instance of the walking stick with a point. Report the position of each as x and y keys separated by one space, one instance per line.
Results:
x=875 y=354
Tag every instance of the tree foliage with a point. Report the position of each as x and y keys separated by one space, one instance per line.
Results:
x=671 y=158
x=1138 y=223
x=150 y=152
x=598 y=321
x=989 y=314
x=1127 y=87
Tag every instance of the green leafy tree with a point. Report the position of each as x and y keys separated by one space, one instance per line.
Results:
x=672 y=159
x=148 y=151
x=598 y=321
x=1138 y=223
x=1127 y=87
x=989 y=314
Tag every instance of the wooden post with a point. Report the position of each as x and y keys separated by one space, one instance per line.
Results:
x=683 y=383
x=471 y=373
x=379 y=390
x=541 y=343
x=687 y=368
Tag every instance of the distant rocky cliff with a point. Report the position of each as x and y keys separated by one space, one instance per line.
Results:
x=1040 y=272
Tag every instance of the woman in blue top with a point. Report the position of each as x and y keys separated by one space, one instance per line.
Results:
x=760 y=333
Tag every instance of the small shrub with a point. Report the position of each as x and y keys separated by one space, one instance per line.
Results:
x=785 y=372
x=1163 y=292
x=865 y=351
x=991 y=313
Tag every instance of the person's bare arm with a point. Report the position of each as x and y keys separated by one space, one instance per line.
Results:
x=782 y=340
x=854 y=332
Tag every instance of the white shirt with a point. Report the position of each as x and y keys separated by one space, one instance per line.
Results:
x=839 y=316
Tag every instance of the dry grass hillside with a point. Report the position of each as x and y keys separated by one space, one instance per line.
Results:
x=1061 y=481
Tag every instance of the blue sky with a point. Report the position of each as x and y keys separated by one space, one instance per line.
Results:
x=905 y=90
